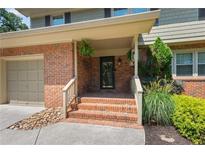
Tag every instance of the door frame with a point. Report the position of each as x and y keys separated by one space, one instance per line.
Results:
x=111 y=59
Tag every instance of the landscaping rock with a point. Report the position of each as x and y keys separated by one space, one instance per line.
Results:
x=41 y=119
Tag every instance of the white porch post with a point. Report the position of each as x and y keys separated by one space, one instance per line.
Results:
x=76 y=67
x=138 y=87
x=136 y=55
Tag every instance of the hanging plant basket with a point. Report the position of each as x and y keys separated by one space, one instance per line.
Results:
x=86 y=49
x=130 y=57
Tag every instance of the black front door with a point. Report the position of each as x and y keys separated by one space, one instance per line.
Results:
x=107 y=78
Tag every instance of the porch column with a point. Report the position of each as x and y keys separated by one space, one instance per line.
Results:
x=76 y=67
x=136 y=55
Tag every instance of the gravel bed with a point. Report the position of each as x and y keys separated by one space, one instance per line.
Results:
x=40 y=119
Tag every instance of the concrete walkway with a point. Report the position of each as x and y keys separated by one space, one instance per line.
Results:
x=78 y=134
x=10 y=114
x=62 y=132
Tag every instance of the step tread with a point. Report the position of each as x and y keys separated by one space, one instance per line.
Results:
x=105 y=123
x=103 y=104
x=104 y=113
x=107 y=100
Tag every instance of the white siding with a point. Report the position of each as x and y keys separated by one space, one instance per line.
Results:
x=177 y=15
x=87 y=15
x=38 y=22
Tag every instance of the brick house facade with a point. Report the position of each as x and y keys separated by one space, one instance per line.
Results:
x=58 y=67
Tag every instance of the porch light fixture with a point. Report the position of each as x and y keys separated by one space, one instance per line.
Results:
x=119 y=61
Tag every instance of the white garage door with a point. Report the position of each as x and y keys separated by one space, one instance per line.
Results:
x=25 y=82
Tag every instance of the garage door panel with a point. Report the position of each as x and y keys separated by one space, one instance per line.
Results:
x=23 y=86
x=32 y=75
x=12 y=66
x=40 y=65
x=33 y=65
x=33 y=86
x=13 y=95
x=40 y=75
x=22 y=96
x=23 y=75
x=41 y=86
x=40 y=96
x=22 y=65
x=33 y=96
x=13 y=86
x=12 y=75
x=25 y=82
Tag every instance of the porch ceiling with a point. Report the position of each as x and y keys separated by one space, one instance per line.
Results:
x=100 y=29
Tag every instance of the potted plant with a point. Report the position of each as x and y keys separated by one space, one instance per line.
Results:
x=130 y=57
x=85 y=48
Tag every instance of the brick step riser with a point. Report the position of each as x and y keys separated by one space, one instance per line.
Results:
x=108 y=101
x=123 y=109
x=103 y=117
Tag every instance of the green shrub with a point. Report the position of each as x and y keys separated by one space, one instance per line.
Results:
x=158 y=105
x=189 y=117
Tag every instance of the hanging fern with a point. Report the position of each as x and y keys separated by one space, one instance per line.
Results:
x=130 y=56
x=86 y=49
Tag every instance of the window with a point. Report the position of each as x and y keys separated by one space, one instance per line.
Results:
x=201 y=13
x=139 y=10
x=184 y=64
x=201 y=63
x=58 y=20
x=120 y=11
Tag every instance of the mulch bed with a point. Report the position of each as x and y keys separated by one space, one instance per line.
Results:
x=163 y=135
x=40 y=119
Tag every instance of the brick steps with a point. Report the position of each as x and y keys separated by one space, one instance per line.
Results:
x=104 y=123
x=103 y=115
x=105 y=111
x=108 y=107
x=108 y=100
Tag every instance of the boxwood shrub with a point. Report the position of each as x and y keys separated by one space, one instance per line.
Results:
x=189 y=117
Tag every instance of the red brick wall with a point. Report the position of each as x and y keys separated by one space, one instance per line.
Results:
x=194 y=88
x=123 y=75
x=58 y=68
x=84 y=65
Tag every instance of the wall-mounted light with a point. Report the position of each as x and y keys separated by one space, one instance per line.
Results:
x=119 y=61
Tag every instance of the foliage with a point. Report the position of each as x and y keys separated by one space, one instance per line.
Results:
x=158 y=64
x=189 y=118
x=86 y=49
x=10 y=22
x=158 y=105
x=147 y=69
x=177 y=87
x=130 y=56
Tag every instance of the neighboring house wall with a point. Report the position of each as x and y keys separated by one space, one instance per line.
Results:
x=177 y=15
x=58 y=68
x=87 y=15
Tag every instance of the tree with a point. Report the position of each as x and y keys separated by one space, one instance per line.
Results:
x=10 y=22
x=163 y=56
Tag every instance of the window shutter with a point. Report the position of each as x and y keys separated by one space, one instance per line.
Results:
x=47 y=20
x=67 y=17
x=107 y=12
